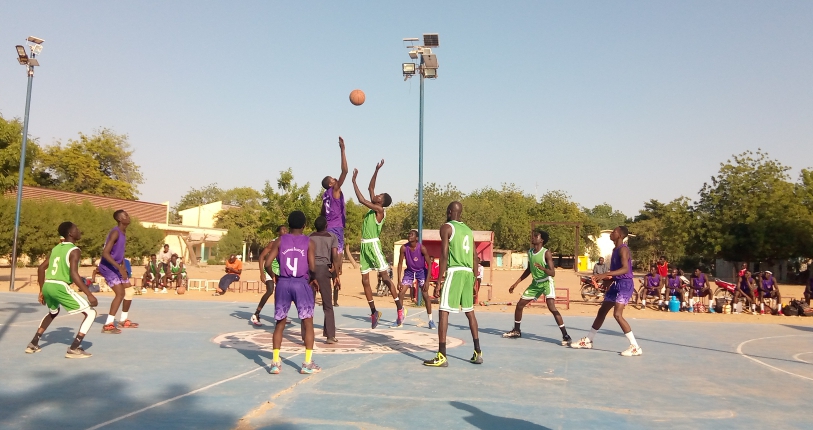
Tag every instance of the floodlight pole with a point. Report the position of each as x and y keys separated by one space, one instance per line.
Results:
x=20 y=178
x=420 y=165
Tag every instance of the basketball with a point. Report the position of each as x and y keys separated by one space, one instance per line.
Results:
x=357 y=97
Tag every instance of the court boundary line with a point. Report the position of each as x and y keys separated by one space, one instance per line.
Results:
x=739 y=351
x=180 y=396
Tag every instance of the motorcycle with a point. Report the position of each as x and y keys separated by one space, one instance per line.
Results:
x=591 y=291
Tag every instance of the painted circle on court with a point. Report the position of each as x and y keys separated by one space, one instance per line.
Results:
x=351 y=341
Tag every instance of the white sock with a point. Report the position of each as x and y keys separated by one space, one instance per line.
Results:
x=124 y=315
x=592 y=334
x=643 y=302
x=631 y=338
x=684 y=304
x=430 y=317
x=110 y=319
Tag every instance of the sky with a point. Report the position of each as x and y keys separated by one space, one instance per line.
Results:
x=616 y=102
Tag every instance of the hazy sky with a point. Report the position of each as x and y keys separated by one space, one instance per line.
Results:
x=609 y=101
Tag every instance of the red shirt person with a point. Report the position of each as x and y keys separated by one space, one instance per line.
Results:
x=663 y=267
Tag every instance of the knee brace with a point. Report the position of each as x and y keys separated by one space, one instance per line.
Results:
x=129 y=292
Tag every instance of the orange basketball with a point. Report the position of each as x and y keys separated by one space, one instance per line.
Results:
x=357 y=97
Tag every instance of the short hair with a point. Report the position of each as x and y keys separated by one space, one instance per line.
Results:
x=296 y=220
x=152 y=255
x=64 y=228
x=280 y=227
x=414 y=230
x=320 y=224
x=326 y=182
x=543 y=234
x=117 y=213
x=624 y=230
x=387 y=200
x=166 y=244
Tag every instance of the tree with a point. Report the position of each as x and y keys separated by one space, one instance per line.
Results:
x=605 y=217
x=99 y=164
x=11 y=142
x=231 y=243
x=662 y=230
x=751 y=211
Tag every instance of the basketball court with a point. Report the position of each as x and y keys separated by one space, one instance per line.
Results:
x=202 y=365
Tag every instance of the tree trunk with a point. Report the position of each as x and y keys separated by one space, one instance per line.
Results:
x=191 y=250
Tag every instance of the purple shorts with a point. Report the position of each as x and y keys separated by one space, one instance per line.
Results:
x=294 y=290
x=111 y=276
x=339 y=232
x=410 y=276
x=620 y=291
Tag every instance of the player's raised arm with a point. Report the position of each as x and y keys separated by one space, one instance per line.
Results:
x=337 y=187
x=371 y=188
x=360 y=197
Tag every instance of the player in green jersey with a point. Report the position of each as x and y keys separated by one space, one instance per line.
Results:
x=540 y=268
x=268 y=279
x=371 y=257
x=152 y=274
x=55 y=274
x=177 y=273
x=458 y=270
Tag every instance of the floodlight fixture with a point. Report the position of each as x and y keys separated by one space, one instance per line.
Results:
x=430 y=61
x=413 y=55
x=430 y=73
x=431 y=40
x=22 y=57
x=411 y=39
x=33 y=62
x=35 y=49
x=36 y=40
x=408 y=68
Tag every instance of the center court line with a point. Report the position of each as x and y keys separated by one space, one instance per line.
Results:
x=164 y=402
x=739 y=351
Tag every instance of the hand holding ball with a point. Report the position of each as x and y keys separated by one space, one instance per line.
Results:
x=357 y=97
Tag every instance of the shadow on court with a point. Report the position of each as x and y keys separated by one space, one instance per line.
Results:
x=90 y=398
x=14 y=313
x=485 y=421
x=799 y=327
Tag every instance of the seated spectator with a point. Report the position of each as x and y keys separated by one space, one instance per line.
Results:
x=177 y=274
x=663 y=267
x=600 y=268
x=674 y=287
x=746 y=288
x=234 y=268
x=700 y=288
x=651 y=287
x=152 y=274
x=809 y=287
x=163 y=257
x=769 y=289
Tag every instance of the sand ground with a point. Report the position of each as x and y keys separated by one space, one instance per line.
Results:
x=352 y=294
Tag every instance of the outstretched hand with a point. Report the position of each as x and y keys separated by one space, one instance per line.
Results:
x=511 y=290
x=341 y=143
x=355 y=174
x=379 y=165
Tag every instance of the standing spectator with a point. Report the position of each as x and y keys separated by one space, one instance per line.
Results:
x=234 y=268
x=163 y=257
x=663 y=267
x=600 y=268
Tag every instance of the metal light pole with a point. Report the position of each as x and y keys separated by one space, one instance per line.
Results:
x=420 y=168
x=29 y=63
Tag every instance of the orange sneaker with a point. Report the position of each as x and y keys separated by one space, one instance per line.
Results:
x=128 y=324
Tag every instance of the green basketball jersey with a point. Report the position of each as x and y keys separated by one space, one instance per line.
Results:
x=59 y=267
x=370 y=227
x=539 y=257
x=176 y=267
x=461 y=245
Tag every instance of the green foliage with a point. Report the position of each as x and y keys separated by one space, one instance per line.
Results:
x=214 y=261
x=751 y=212
x=99 y=164
x=288 y=197
x=231 y=243
x=11 y=141
x=605 y=217
x=40 y=219
x=662 y=229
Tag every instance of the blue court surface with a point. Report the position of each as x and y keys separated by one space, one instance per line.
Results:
x=201 y=365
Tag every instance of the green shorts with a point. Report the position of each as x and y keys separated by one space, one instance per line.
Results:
x=540 y=288
x=58 y=293
x=371 y=257
x=457 y=290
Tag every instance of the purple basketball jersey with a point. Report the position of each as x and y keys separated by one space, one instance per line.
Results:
x=333 y=209
x=767 y=284
x=293 y=256
x=615 y=263
x=673 y=282
x=414 y=258
x=653 y=280
x=117 y=252
x=699 y=282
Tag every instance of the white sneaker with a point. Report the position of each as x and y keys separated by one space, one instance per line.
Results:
x=163 y=291
x=632 y=351
x=583 y=343
x=255 y=320
x=143 y=290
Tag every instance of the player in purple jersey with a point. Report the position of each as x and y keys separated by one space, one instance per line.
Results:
x=297 y=263
x=768 y=289
x=333 y=208
x=115 y=274
x=700 y=287
x=618 y=294
x=651 y=287
x=674 y=287
x=416 y=256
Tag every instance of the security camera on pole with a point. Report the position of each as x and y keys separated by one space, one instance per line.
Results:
x=29 y=62
x=427 y=67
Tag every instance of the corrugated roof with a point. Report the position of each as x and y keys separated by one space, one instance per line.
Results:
x=144 y=211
